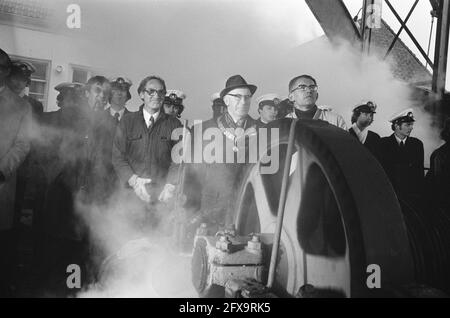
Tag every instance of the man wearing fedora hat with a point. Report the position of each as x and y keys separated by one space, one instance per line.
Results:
x=402 y=156
x=210 y=186
x=362 y=118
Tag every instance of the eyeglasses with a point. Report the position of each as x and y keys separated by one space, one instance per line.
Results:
x=151 y=91
x=303 y=88
x=241 y=97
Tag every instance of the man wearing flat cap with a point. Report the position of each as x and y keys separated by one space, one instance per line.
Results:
x=19 y=80
x=267 y=108
x=15 y=132
x=173 y=102
x=362 y=118
x=218 y=106
x=211 y=185
x=72 y=155
x=303 y=93
x=402 y=156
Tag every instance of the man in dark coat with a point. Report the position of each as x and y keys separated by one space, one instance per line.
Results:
x=438 y=178
x=15 y=129
x=211 y=184
x=120 y=95
x=29 y=174
x=70 y=154
x=362 y=118
x=142 y=150
x=107 y=181
x=267 y=109
x=402 y=156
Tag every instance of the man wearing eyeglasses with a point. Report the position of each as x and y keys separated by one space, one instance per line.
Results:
x=211 y=185
x=142 y=145
x=303 y=92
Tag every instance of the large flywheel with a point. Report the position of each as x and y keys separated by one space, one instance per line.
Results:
x=341 y=213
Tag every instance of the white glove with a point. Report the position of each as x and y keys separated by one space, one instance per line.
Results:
x=167 y=193
x=138 y=184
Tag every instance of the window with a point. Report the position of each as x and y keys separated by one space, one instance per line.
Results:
x=39 y=80
x=80 y=74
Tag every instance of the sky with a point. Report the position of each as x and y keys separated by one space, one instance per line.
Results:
x=195 y=45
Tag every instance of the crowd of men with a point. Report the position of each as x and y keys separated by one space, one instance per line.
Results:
x=62 y=163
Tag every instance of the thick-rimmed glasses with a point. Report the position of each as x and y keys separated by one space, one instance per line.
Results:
x=241 y=97
x=158 y=92
x=304 y=88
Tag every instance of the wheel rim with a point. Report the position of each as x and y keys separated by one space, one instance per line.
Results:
x=337 y=263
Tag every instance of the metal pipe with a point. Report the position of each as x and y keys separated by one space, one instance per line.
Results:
x=281 y=206
x=363 y=26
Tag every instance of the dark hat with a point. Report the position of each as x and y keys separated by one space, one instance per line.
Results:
x=405 y=116
x=22 y=68
x=174 y=97
x=236 y=81
x=66 y=86
x=365 y=107
x=121 y=83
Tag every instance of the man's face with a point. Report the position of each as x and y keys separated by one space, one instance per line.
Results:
x=404 y=129
x=365 y=120
x=238 y=102
x=268 y=113
x=118 y=96
x=98 y=95
x=303 y=94
x=153 y=94
x=18 y=84
x=169 y=109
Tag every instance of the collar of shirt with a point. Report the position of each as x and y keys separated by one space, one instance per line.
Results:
x=400 y=140
x=147 y=116
x=362 y=135
x=113 y=112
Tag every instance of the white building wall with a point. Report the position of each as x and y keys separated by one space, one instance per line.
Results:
x=63 y=50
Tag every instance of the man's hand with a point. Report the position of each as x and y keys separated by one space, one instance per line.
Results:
x=138 y=184
x=167 y=193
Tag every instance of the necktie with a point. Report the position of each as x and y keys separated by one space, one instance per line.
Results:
x=402 y=144
x=116 y=117
x=152 y=121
